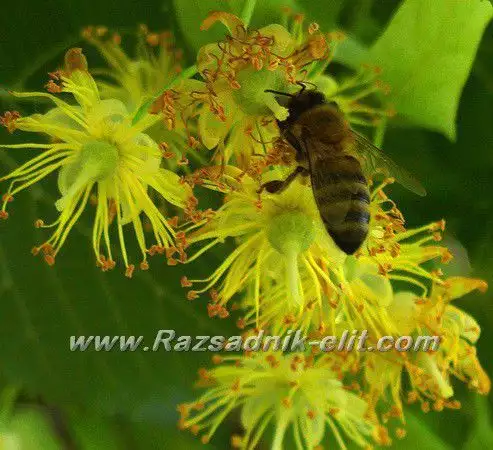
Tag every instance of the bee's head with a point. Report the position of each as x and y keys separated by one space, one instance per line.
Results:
x=300 y=103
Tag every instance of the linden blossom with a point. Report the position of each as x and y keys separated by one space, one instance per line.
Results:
x=100 y=157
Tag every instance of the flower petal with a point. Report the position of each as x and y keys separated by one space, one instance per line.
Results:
x=233 y=23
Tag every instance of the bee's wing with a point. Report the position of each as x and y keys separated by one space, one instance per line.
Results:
x=333 y=190
x=373 y=161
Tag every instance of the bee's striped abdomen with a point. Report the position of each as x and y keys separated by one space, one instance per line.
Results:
x=343 y=199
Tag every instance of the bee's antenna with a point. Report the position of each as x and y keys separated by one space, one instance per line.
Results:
x=303 y=85
x=280 y=93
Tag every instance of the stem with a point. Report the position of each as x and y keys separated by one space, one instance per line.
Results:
x=246 y=14
x=185 y=75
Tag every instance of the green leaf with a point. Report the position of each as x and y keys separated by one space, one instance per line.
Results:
x=481 y=435
x=426 y=54
x=90 y=432
x=420 y=435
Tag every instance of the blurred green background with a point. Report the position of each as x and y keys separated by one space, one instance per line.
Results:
x=127 y=400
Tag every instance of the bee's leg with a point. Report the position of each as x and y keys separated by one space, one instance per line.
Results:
x=297 y=145
x=278 y=186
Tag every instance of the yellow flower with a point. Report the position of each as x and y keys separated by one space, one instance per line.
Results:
x=96 y=151
x=238 y=117
x=236 y=113
x=292 y=273
x=134 y=79
x=298 y=395
x=430 y=372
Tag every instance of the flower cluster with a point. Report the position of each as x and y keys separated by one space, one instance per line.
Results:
x=120 y=138
x=289 y=275
x=286 y=273
x=294 y=274
x=237 y=114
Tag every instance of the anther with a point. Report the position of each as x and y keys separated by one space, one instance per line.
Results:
x=313 y=27
x=192 y=295
x=50 y=260
x=8 y=120
x=130 y=271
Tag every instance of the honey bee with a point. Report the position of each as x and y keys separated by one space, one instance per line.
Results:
x=340 y=163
